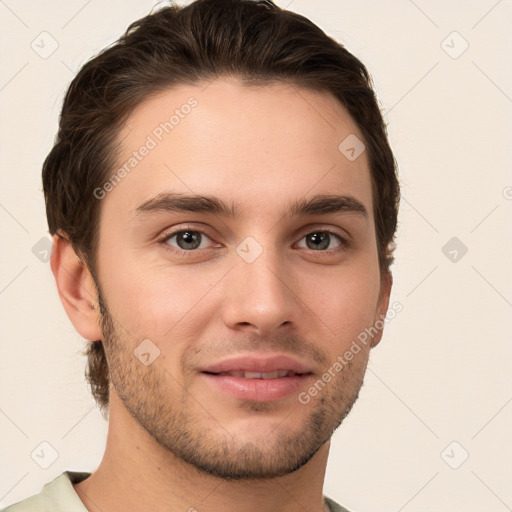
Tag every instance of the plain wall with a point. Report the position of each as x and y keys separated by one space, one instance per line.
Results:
x=442 y=371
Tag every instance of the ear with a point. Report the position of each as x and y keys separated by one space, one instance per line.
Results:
x=77 y=290
x=382 y=306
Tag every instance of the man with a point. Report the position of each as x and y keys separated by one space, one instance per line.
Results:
x=223 y=202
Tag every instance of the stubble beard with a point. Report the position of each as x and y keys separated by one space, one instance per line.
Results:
x=183 y=426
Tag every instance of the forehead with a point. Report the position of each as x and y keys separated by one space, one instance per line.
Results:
x=263 y=145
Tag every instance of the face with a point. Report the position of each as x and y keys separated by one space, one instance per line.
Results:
x=222 y=314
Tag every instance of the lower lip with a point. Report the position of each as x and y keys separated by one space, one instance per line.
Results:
x=257 y=390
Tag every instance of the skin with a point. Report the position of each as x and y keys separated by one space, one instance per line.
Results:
x=173 y=440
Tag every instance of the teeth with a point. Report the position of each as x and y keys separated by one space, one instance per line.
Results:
x=255 y=375
x=259 y=375
x=234 y=373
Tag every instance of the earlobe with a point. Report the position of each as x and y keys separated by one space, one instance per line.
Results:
x=76 y=288
x=382 y=308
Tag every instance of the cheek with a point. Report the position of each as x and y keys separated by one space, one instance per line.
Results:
x=346 y=302
x=155 y=302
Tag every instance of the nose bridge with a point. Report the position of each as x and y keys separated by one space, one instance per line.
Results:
x=258 y=291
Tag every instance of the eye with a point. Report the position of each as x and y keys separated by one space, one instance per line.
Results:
x=186 y=240
x=320 y=240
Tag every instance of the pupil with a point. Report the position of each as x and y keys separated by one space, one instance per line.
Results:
x=320 y=240
x=189 y=239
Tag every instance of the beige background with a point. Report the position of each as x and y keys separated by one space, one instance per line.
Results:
x=442 y=372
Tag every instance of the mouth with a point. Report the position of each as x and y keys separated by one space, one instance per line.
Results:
x=261 y=379
x=257 y=366
x=276 y=374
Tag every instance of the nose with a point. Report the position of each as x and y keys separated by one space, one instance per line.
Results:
x=260 y=296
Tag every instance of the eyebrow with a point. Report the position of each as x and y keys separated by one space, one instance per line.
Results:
x=316 y=205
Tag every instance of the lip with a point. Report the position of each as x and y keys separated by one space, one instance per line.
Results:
x=258 y=363
x=257 y=390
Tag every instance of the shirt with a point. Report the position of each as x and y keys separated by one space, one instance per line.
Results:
x=60 y=496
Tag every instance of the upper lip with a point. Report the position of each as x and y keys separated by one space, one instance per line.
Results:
x=257 y=363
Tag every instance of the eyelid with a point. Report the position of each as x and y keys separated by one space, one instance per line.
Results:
x=176 y=230
x=323 y=228
x=344 y=239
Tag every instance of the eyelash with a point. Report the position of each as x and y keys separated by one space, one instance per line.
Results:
x=344 y=243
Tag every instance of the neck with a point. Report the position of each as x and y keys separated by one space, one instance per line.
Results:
x=136 y=473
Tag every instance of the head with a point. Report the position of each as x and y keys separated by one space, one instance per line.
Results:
x=250 y=106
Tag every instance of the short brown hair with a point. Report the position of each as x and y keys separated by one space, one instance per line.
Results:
x=253 y=40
